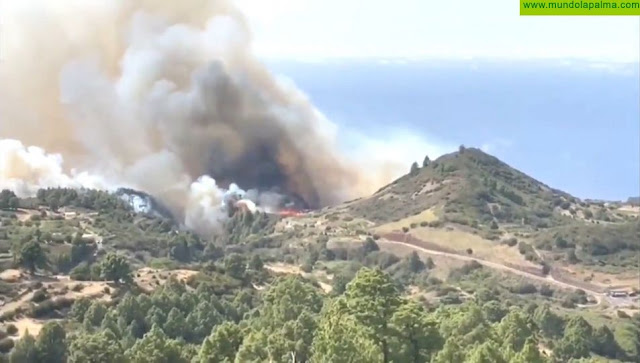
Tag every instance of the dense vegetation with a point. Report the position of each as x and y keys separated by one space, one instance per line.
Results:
x=235 y=310
x=209 y=320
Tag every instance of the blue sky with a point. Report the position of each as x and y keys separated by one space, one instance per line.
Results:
x=556 y=97
x=572 y=125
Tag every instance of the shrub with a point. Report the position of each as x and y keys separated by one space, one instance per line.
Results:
x=42 y=309
x=578 y=297
x=39 y=296
x=429 y=263
x=405 y=229
x=431 y=280
x=523 y=288
x=511 y=241
x=571 y=257
x=6 y=345
x=306 y=267
x=12 y=329
x=464 y=270
x=451 y=299
x=49 y=306
x=568 y=303
x=524 y=247
x=81 y=272
x=435 y=224
x=622 y=314
x=444 y=290
x=545 y=290
x=561 y=242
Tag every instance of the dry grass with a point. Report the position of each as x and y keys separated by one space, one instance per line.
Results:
x=63 y=286
x=11 y=275
x=144 y=277
x=318 y=276
x=428 y=187
x=386 y=196
x=283 y=268
x=459 y=241
x=627 y=280
x=629 y=210
x=24 y=215
x=22 y=301
x=443 y=264
x=428 y=215
x=33 y=326
x=60 y=286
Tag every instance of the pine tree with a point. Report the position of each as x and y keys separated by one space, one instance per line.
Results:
x=25 y=350
x=529 y=353
x=372 y=297
x=426 y=161
x=222 y=345
x=415 y=169
x=51 y=343
x=416 y=336
x=155 y=347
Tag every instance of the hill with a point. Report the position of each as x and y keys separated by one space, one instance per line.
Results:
x=477 y=193
x=470 y=185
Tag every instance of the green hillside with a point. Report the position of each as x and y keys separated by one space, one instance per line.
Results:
x=473 y=190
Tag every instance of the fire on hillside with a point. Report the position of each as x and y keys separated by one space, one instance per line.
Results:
x=292 y=213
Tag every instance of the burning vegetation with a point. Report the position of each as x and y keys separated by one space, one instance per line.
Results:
x=171 y=102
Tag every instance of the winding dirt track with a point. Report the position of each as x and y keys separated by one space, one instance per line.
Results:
x=392 y=239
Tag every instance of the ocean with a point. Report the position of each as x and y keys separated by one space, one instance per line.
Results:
x=574 y=125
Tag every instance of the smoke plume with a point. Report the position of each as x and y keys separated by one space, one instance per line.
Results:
x=164 y=96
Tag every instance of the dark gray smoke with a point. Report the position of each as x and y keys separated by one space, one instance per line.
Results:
x=155 y=94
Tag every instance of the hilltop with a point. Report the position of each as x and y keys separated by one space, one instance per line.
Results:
x=472 y=187
x=476 y=193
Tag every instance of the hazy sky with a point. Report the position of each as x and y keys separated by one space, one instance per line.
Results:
x=424 y=28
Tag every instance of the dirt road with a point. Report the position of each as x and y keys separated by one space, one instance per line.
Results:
x=549 y=279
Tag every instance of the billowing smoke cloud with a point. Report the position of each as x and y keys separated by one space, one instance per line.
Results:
x=26 y=169
x=154 y=94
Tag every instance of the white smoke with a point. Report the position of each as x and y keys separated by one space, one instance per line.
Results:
x=205 y=206
x=24 y=170
x=155 y=95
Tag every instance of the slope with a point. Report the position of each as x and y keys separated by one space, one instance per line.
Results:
x=470 y=196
